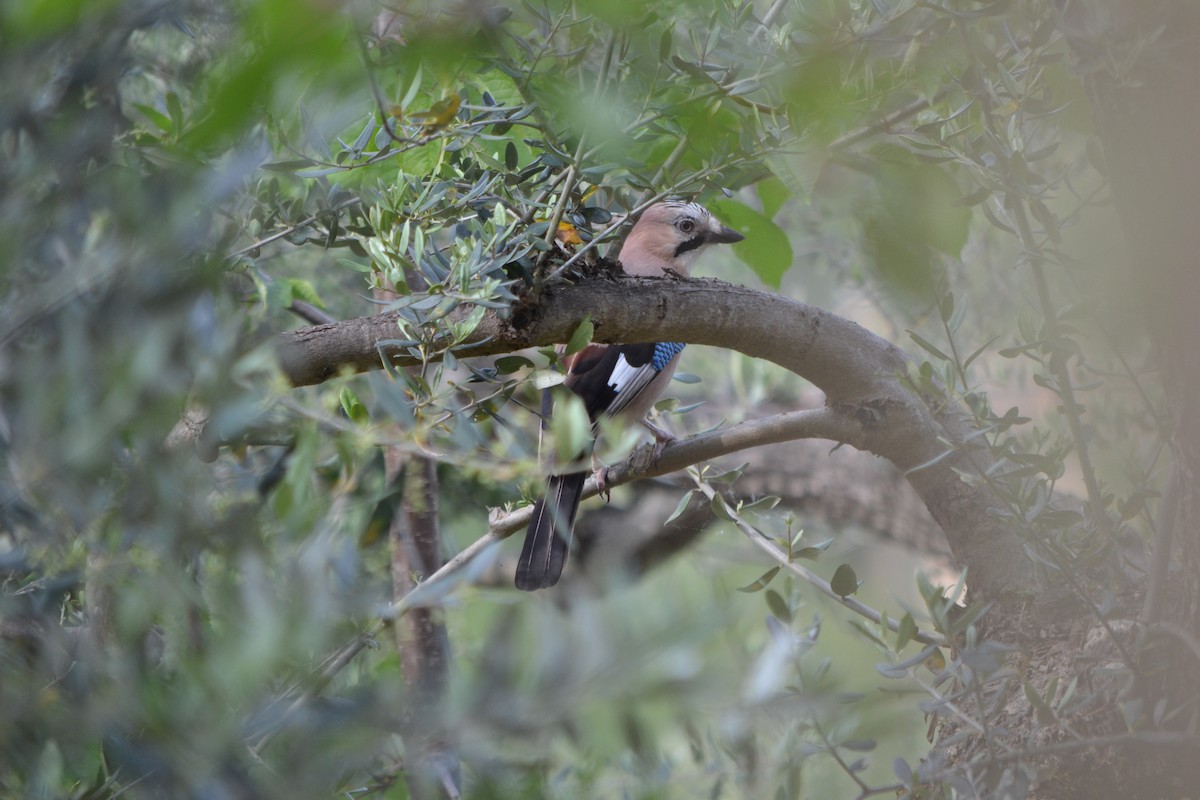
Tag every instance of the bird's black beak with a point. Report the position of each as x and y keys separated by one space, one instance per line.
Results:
x=724 y=235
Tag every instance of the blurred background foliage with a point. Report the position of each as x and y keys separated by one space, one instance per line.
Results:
x=178 y=178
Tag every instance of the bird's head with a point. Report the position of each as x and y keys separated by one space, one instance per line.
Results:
x=671 y=235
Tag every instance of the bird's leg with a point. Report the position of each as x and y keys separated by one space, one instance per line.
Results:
x=601 y=474
x=661 y=438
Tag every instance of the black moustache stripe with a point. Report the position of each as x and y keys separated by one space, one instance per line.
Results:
x=690 y=244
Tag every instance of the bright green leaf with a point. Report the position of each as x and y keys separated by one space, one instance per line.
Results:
x=766 y=248
x=681 y=506
x=582 y=336
x=772 y=193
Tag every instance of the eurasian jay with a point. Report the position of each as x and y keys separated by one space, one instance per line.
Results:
x=623 y=379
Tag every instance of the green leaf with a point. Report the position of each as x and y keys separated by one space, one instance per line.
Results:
x=279 y=294
x=354 y=409
x=365 y=136
x=596 y=215
x=729 y=476
x=354 y=264
x=289 y=166
x=946 y=307
x=844 y=582
x=175 y=110
x=975 y=198
x=761 y=583
x=154 y=115
x=571 y=427
x=582 y=336
x=303 y=290
x=907 y=630
x=812 y=552
x=1045 y=714
x=979 y=352
x=681 y=506
x=967 y=618
x=931 y=462
x=687 y=377
x=772 y=193
x=762 y=504
x=506 y=365
x=778 y=605
x=766 y=248
x=927 y=346
x=798 y=172
x=720 y=510
x=916 y=215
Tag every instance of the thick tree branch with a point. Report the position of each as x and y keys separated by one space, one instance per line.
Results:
x=861 y=374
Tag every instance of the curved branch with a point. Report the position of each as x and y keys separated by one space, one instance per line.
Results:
x=797 y=336
x=868 y=400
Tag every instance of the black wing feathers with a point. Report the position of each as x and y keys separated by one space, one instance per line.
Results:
x=589 y=376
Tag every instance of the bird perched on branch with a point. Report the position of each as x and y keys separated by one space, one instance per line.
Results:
x=623 y=379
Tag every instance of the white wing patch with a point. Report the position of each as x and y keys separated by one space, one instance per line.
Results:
x=627 y=381
x=622 y=375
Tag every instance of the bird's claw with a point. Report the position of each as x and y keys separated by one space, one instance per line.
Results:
x=662 y=438
x=602 y=484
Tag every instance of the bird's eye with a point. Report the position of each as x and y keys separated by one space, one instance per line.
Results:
x=687 y=226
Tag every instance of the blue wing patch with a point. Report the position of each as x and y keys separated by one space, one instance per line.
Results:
x=664 y=352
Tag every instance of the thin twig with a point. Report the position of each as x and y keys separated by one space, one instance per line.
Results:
x=947 y=703
x=888 y=122
x=862 y=786
x=332 y=666
x=1058 y=365
x=769 y=18
x=768 y=545
x=352 y=201
x=311 y=314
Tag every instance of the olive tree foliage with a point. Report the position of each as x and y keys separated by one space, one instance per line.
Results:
x=195 y=553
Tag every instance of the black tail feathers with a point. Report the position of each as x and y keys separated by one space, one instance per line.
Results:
x=549 y=536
